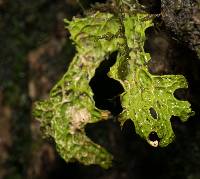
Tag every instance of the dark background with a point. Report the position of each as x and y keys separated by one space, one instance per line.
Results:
x=35 y=51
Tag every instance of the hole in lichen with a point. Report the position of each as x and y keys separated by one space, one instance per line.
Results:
x=153 y=139
x=181 y=94
x=106 y=90
x=153 y=136
x=149 y=32
x=128 y=128
x=153 y=113
x=108 y=130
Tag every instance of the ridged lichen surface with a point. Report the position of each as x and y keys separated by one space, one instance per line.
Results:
x=147 y=100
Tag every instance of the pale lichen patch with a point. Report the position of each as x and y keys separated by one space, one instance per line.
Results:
x=153 y=143
x=79 y=117
x=86 y=60
x=106 y=114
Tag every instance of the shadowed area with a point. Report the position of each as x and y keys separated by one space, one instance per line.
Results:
x=107 y=90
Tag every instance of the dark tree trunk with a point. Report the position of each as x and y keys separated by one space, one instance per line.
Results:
x=182 y=19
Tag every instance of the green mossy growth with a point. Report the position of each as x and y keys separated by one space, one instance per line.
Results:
x=145 y=92
x=147 y=100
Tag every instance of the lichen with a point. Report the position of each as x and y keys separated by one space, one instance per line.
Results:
x=145 y=92
x=71 y=106
x=147 y=100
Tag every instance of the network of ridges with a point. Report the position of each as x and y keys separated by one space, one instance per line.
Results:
x=146 y=93
x=70 y=106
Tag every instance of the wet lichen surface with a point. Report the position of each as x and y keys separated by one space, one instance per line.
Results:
x=148 y=100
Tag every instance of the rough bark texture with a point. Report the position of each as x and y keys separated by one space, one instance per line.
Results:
x=182 y=18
